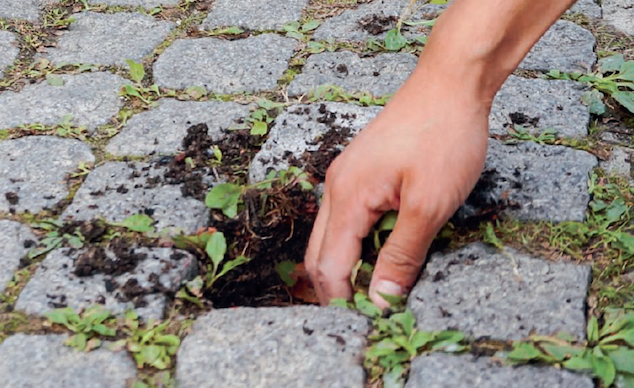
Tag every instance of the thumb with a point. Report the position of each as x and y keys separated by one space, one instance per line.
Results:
x=402 y=256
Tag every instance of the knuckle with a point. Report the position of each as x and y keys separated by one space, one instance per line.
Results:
x=400 y=258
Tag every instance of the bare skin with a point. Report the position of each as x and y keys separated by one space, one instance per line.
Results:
x=424 y=153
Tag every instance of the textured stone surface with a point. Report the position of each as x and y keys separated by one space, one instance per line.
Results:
x=254 y=15
x=440 y=370
x=91 y=99
x=620 y=162
x=20 y=9
x=380 y=75
x=303 y=346
x=554 y=104
x=55 y=284
x=33 y=171
x=298 y=130
x=109 y=39
x=136 y=3
x=476 y=290
x=16 y=240
x=162 y=129
x=588 y=8
x=533 y=182
x=44 y=361
x=620 y=14
x=349 y=25
x=117 y=190
x=220 y=66
x=566 y=47
x=8 y=50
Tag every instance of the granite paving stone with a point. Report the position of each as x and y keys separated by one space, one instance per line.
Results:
x=298 y=130
x=532 y=182
x=162 y=129
x=136 y=3
x=16 y=240
x=118 y=190
x=565 y=46
x=620 y=14
x=476 y=290
x=620 y=162
x=44 y=361
x=588 y=8
x=441 y=370
x=254 y=15
x=8 y=50
x=34 y=171
x=91 y=99
x=56 y=284
x=20 y=9
x=380 y=75
x=373 y=20
x=109 y=39
x=304 y=346
x=247 y=65
x=538 y=105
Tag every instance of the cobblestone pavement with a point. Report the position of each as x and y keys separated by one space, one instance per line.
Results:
x=73 y=148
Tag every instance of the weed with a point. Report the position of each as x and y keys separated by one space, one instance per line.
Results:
x=87 y=326
x=337 y=93
x=262 y=117
x=137 y=74
x=548 y=136
x=298 y=31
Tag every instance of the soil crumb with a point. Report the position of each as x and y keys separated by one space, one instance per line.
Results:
x=376 y=24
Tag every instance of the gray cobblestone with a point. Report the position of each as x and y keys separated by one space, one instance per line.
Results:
x=136 y=3
x=33 y=171
x=91 y=99
x=109 y=39
x=55 y=284
x=620 y=162
x=246 y=65
x=8 y=50
x=258 y=15
x=553 y=104
x=304 y=346
x=297 y=130
x=539 y=182
x=566 y=47
x=16 y=240
x=620 y=14
x=440 y=370
x=162 y=129
x=380 y=75
x=588 y=8
x=117 y=190
x=20 y=9
x=476 y=290
x=44 y=361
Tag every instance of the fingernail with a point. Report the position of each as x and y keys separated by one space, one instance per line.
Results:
x=386 y=287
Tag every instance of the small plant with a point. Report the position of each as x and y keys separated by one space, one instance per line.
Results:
x=57 y=18
x=337 y=93
x=614 y=76
x=608 y=353
x=262 y=117
x=149 y=344
x=548 y=136
x=141 y=223
x=319 y=47
x=93 y=322
x=297 y=30
x=137 y=73
x=54 y=239
x=235 y=30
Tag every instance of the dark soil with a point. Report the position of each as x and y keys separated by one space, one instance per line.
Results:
x=376 y=24
x=94 y=260
x=522 y=119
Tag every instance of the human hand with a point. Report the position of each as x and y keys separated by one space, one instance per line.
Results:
x=421 y=156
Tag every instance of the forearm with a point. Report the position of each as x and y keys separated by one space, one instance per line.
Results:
x=478 y=43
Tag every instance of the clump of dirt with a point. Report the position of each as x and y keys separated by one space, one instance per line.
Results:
x=12 y=198
x=376 y=24
x=520 y=118
x=95 y=260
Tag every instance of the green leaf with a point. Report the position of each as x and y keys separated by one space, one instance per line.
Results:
x=167 y=340
x=150 y=354
x=394 y=40
x=394 y=300
x=626 y=99
x=626 y=72
x=259 y=128
x=422 y=338
x=623 y=359
x=395 y=378
x=593 y=330
x=196 y=92
x=524 y=352
x=138 y=223
x=625 y=335
x=137 y=73
x=339 y=302
x=579 y=363
x=611 y=64
x=594 y=101
x=388 y=221
x=216 y=248
x=60 y=316
x=228 y=266
x=406 y=320
x=603 y=367
x=225 y=197
x=295 y=35
x=235 y=30
x=382 y=348
x=616 y=210
x=54 y=80
x=624 y=381
x=77 y=341
x=311 y=25
x=624 y=241
x=560 y=352
x=104 y=330
x=284 y=269
x=291 y=26
x=366 y=307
